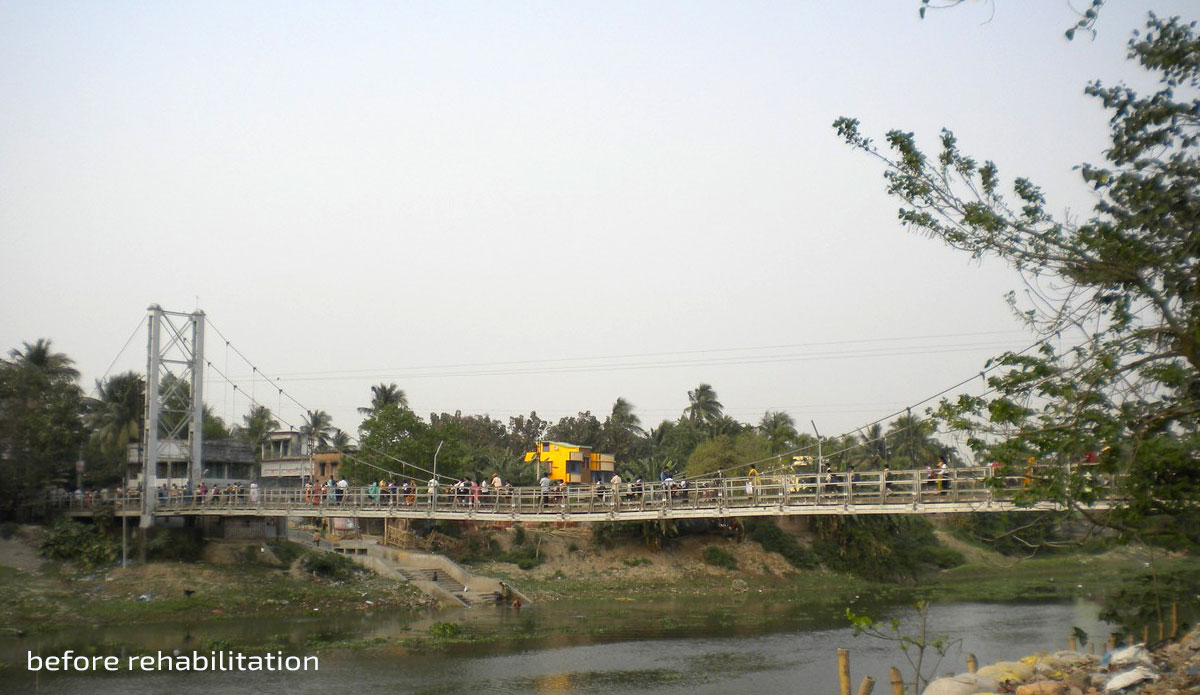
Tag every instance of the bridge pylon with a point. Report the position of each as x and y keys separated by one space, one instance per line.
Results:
x=174 y=398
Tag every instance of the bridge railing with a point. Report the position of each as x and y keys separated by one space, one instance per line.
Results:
x=782 y=490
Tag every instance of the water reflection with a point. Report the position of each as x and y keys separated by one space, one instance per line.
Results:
x=580 y=648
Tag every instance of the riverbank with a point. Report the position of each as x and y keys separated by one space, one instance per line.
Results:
x=235 y=579
x=251 y=579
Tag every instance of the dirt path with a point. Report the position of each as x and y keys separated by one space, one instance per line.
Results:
x=17 y=552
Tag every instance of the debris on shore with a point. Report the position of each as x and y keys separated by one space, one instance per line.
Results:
x=1170 y=669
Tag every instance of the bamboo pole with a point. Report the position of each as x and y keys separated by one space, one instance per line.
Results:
x=867 y=685
x=1145 y=634
x=972 y=663
x=1162 y=632
x=1112 y=642
x=843 y=657
x=896 y=680
x=1072 y=643
x=1174 y=620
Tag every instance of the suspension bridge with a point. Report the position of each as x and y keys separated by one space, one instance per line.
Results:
x=175 y=343
x=957 y=490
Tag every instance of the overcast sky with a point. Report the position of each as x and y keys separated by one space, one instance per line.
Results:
x=506 y=207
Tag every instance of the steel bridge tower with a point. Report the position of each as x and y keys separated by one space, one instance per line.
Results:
x=175 y=349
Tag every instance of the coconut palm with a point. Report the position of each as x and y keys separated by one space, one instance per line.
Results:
x=340 y=440
x=318 y=427
x=623 y=418
x=40 y=359
x=256 y=425
x=116 y=418
x=910 y=436
x=385 y=394
x=703 y=406
x=779 y=428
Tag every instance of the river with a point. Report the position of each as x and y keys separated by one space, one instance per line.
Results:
x=579 y=647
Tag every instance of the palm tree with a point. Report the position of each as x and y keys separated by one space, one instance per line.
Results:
x=385 y=394
x=256 y=425
x=318 y=427
x=40 y=359
x=778 y=427
x=872 y=450
x=623 y=418
x=909 y=436
x=703 y=408
x=340 y=440
x=117 y=418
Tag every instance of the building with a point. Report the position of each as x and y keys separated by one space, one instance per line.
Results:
x=573 y=463
x=226 y=461
x=285 y=460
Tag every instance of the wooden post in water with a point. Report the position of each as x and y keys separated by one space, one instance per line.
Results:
x=1072 y=643
x=843 y=656
x=1112 y=642
x=1174 y=620
x=1162 y=632
x=1145 y=634
x=867 y=685
x=972 y=663
x=896 y=680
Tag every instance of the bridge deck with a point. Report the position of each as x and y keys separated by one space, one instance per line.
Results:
x=905 y=492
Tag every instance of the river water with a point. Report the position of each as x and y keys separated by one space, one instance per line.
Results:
x=579 y=647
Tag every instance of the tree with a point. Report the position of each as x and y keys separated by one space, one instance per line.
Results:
x=908 y=436
x=731 y=454
x=116 y=417
x=780 y=429
x=385 y=394
x=256 y=425
x=42 y=430
x=622 y=434
x=396 y=439
x=703 y=406
x=38 y=360
x=583 y=429
x=1125 y=283
x=318 y=427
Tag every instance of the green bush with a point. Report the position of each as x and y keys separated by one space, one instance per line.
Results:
x=286 y=551
x=886 y=547
x=445 y=630
x=720 y=557
x=330 y=565
x=775 y=540
x=75 y=542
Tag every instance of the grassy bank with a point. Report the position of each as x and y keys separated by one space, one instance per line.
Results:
x=248 y=579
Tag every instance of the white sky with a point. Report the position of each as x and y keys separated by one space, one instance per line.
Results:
x=371 y=191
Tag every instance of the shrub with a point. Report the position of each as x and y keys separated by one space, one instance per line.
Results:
x=445 y=630
x=775 y=540
x=74 y=542
x=880 y=548
x=720 y=557
x=330 y=565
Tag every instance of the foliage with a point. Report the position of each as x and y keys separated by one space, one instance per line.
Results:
x=395 y=438
x=41 y=424
x=583 y=429
x=730 y=454
x=256 y=425
x=75 y=542
x=8 y=529
x=1146 y=599
x=330 y=565
x=385 y=394
x=884 y=547
x=914 y=647
x=717 y=556
x=773 y=539
x=444 y=630
x=1012 y=533
x=1122 y=287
